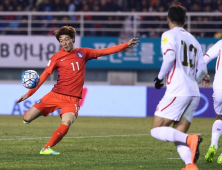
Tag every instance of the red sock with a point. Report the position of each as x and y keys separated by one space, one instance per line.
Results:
x=57 y=135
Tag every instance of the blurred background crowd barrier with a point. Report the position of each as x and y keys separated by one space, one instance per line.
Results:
x=118 y=24
x=146 y=18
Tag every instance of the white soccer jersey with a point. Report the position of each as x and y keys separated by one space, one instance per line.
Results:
x=183 y=63
x=213 y=52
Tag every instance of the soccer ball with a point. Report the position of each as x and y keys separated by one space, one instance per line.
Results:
x=30 y=79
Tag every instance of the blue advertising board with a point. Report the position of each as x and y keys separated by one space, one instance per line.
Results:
x=147 y=55
x=112 y=101
x=118 y=101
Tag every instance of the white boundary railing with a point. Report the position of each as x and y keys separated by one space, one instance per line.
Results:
x=134 y=22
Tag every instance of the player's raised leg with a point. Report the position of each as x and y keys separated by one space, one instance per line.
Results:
x=183 y=150
x=169 y=134
x=216 y=128
x=58 y=134
x=187 y=155
x=183 y=125
x=31 y=114
x=161 y=131
x=187 y=145
x=216 y=133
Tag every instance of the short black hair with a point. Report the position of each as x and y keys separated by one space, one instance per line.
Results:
x=177 y=14
x=65 y=30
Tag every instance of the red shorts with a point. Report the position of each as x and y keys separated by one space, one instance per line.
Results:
x=53 y=101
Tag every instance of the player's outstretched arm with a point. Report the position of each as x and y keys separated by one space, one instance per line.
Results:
x=42 y=78
x=22 y=98
x=112 y=50
x=133 y=42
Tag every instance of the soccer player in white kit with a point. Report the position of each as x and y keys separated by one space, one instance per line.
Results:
x=184 y=67
x=213 y=52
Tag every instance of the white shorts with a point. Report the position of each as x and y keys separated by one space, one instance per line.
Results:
x=174 y=108
x=217 y=97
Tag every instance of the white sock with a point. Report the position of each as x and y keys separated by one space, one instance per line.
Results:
x=184 y=152
x=216 y=132
x=168 y=134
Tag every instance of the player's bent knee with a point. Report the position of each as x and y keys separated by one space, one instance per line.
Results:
x=68 y=118
x=32 y=114
x=67 y=122
x=27 y=120
x=26 y=117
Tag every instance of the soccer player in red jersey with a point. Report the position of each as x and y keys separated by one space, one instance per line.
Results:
x=70 y=64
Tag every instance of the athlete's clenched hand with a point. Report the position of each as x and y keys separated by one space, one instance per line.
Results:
x=158 y=83
x=22 y=98
x=133 y=41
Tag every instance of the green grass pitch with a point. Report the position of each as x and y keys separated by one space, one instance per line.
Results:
x=95 y=143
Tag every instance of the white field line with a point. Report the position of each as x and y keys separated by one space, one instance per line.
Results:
x=74 y=137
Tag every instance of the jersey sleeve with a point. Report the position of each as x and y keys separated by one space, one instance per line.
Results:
x=42 y=78
x=95 y=53
x=213 y=52
x=52 y=64
x=167 y=64
x=169 y=54
x=201 y=68
x=167 y=43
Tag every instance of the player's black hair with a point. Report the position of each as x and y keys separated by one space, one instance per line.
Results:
x=65 y=30
x=177 y=14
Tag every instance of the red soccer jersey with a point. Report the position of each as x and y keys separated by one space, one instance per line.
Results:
x=71 y=67
x=71 y=70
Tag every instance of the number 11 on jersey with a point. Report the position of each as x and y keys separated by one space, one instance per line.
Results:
x=73 y=66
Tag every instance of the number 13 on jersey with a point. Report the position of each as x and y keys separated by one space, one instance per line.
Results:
x=191 y=48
